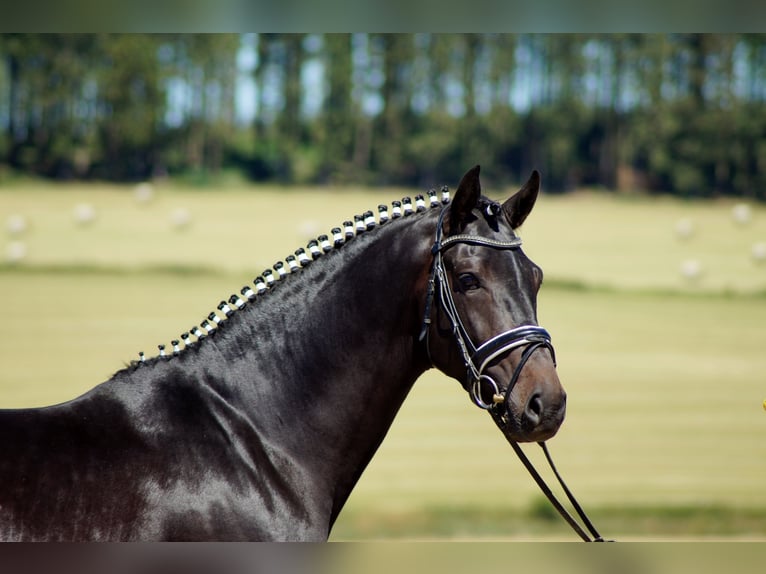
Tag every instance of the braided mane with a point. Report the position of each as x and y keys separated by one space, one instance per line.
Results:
x=293 y=264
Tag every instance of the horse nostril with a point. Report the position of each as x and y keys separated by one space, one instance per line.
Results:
x=534 y=410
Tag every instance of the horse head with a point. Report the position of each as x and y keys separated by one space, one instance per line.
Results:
x=480 y=316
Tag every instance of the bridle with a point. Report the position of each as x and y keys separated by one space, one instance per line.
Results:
x=477 y=358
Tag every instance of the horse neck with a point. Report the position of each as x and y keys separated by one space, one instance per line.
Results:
x=334 y=351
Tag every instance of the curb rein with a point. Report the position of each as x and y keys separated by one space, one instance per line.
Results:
x=476 y=358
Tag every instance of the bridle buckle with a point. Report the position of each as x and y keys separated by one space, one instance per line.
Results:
x=475 y=392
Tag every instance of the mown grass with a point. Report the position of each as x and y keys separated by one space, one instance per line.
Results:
x=541 y=522
x=665 y=431
x=588 y=239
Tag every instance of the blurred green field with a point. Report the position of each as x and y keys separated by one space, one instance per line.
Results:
x=664 y=436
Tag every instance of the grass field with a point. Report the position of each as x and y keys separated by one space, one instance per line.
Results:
x=665 y=435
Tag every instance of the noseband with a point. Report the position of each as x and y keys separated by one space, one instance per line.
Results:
x=477 y=358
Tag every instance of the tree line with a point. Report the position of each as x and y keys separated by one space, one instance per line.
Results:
x=675 y=113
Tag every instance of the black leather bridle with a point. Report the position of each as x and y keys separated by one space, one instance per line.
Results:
x=476 y=359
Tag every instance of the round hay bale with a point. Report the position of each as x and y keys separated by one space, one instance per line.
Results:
x=15 y=252
x=143 y=193
x=180 y=218
x=758 y=252
x=684 y=228
x=84 y=214
x=741 y=213
x=691 y=269
x=16 y=224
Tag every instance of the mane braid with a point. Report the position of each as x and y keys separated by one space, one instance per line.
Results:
x=264 y=283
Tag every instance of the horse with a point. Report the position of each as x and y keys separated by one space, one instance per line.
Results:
x=259 y=423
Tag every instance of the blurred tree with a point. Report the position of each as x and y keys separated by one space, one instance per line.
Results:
x=279 y=126
x=394 y=121
x=198 y=75
x=679 y=113
x=131 y=102
x=290 y=121
x=338 y=111
x=50 y=118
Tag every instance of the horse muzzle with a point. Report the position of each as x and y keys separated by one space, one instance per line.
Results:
x=532 y=409
x=534 y=417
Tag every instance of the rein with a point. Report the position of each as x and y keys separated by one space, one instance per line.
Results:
x=477 y=358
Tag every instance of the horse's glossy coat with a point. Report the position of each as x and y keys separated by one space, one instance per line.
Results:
x=261 y=430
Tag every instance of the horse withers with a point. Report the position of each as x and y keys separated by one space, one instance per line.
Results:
x=260 y=426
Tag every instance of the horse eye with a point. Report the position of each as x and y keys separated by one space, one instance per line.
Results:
x=468 y=281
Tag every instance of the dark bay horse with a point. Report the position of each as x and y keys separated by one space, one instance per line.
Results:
x=259 y=428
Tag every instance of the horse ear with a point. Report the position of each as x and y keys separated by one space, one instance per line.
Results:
x=520 y=204
x=466 y=198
